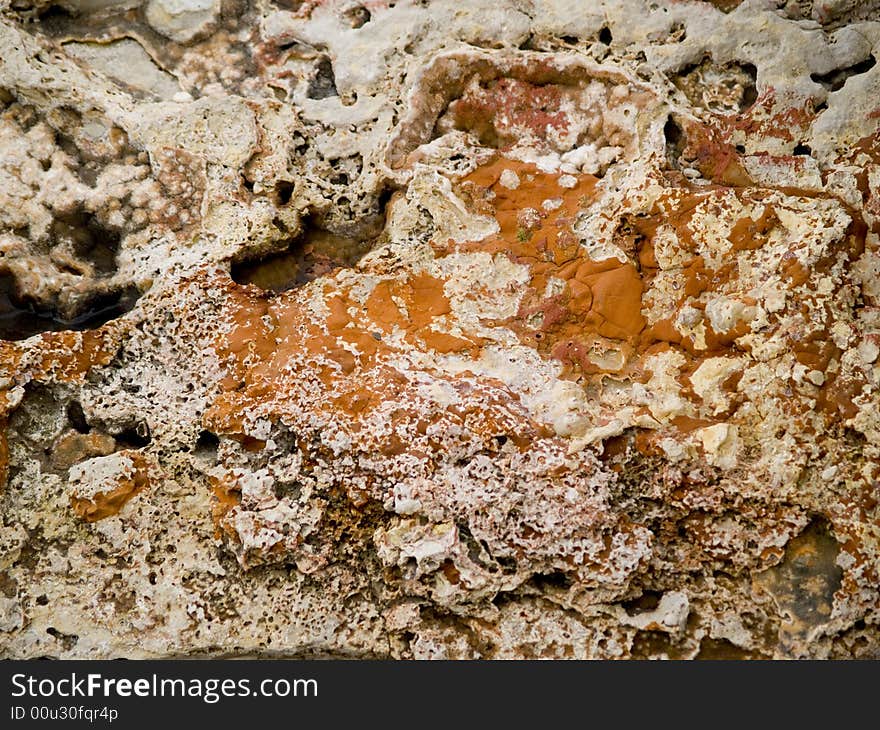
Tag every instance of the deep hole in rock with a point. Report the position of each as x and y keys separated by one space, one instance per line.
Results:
x=90 y=242
x=313 y=254
x=8 y=586
x=803 y=149
x=648 y=601
x=804 y=584
x=357 y=16
x=77 y=417
x=722 y=649
x=674 y=136
x=135 y=437
x=835 y=80
x=323 y=83
x=68 y=641
x=750 y=90
x=284 y=191
x=20 y=318
x=528 y=44
x=207 y=442
x=649 y=644
x=556 y=579
x=605 y=35
x=725 y=6
x=289 y=491
x=678 y=32
x=55 y=19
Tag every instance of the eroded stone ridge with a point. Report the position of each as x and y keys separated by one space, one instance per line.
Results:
x=439 y=330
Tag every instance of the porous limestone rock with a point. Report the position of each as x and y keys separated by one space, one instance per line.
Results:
x=523 y=328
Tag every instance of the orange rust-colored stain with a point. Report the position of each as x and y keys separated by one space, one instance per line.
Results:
x=836 y=397
x=586 y=314
x=595 y=303
x=575 y=309
x=749 y=234
x=63 y=356
x=252 y=445
x=107 y=504
x=451 y=572
x=228 y=495
x=793 y=270
x=68 y=356
x=340 y=360
x=421 y=301
x=710 y=144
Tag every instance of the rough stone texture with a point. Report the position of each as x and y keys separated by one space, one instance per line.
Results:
x=522 y=328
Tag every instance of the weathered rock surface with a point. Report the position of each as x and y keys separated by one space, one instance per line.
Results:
x=451 y=329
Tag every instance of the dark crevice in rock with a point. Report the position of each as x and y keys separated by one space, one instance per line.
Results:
x=91 y=243
x=722 y=649
x=323 y=83
x=284 y=191
x=649 y=644
x=20 y=318
x=313 y=254
x=674 y=136
x=207 y=444
x=750 y=90
x=136 y=437
x=677 y=32
x=358 y=16
x=835 y=80
x=548 y=581
x=54 y=19
x=77 y=417
x=647 y=601
x=68 y=641
x=8 y=585
x=725 y=6
x=528 y=44
x=803 y=585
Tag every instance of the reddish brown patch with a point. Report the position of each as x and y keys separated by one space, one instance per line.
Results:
x=106 y=504
x=599 y=303
x=341 y=363
x=74 y=447
x=749 y=234
x=714 y=156
x=502 y=111
x=227 y=492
